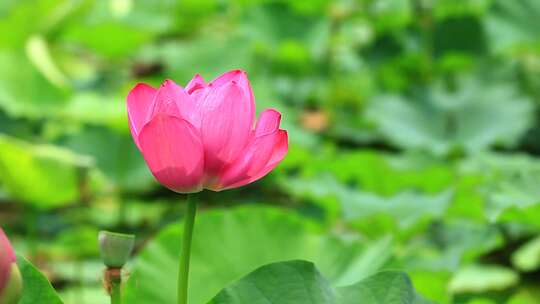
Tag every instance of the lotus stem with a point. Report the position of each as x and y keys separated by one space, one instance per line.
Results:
x=185 y=253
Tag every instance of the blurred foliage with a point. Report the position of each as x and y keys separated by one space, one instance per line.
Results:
x=414 y=140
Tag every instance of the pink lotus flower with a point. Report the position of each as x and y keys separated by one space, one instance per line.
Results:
x=10 y=277
x=202 y=136
x=7 y=258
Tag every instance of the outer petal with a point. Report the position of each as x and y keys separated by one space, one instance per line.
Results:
x=234 y=75
x=7 y=258
x=280 y=150
x=199 y=95
x=5 y=246
x=261 y=156
x=5 y=269
x=202 y=93
x=226 y=125
x=174 y=153
x=195 y=84
x=139 y=105
x=195 y=110
x=168 y=98
x=240 y=77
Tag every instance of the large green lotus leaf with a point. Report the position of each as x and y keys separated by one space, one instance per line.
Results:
x=41 y=175
x=228 y=244
x=299 y=282
x=514 y=26
x=285 y=282
x=471 y=119
x=36 y=287
x=386 y=287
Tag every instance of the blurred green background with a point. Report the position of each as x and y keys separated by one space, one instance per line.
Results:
x=414 y=137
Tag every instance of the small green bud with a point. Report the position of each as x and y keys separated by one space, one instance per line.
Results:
x=115 y=248
x=12 y=291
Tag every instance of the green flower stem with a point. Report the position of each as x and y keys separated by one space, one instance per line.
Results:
x=116 y=293
x=113 y=281
x=185 y=254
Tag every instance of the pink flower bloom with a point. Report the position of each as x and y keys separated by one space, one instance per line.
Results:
x=202 y=136
x=7 y=258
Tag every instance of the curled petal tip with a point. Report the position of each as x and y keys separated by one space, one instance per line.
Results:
x=196 y=83
x=268 y=122
x=273 y=112
x=237 y=71
x=167 y=82
x=198 y=78
x=169 y=99
x=233 y=75
x=140 y=85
